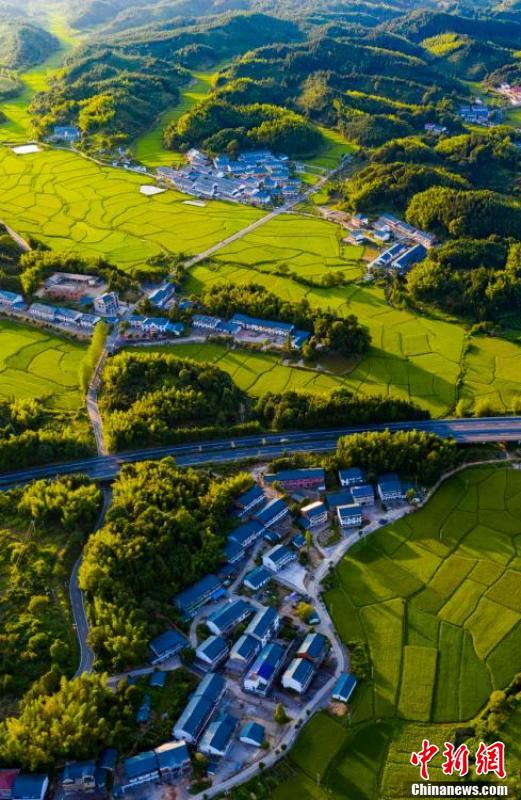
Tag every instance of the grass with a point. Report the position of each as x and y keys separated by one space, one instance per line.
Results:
x=442 y=623
x=335 y=146
x=18 y=126
x=35 y=364
x=149 y=148
x=72 y=203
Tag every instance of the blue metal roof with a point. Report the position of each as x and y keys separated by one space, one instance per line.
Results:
x=233 y=551
x=262 y=622
x=268 y=660
x=108 y=759
x=315 y=510
x=157 y=679
x=142 y=764
x=219 y=733
x=244 y=319
x=211 y=686
x=172 y=755
x=341 y=498
x=27 y=787
x=265 y=514
x=314 y=473
x=246 y=647
x=79 y=769
x=350 y=512
x=363 y=491
x=280 y=554
x=190 y=596
x=301 y=670
x=298 y=541
x=390 y=482
x=169 y=640
x=313 y=646
x=213 y=647
x=245 y=532
x=352 y=474
x=250 y=496
x=258 y=577
x=344 y=687
x=254 y=732
x=230 y=614
x=11 y=297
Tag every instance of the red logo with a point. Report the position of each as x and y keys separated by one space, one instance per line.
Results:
x=489 y=759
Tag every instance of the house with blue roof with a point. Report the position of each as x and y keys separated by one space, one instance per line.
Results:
x=83 y=777
x=263 y=326
x=160 y=296
x=252 y=733
x=298 y=542
x=257 y=579
x=166 y=645
x=278 y=557
x=410 y=258
x=298 y=675
x=143 y=712
x=213 y=651
x=344 y=688
x=205 y=322
x=218 y=736
x=309 y=478
x=233 y=552
x=390 y=488
x=261 y=675
x=66 y=133
x=108 y=759
x=243 y=652
x=30 y=787
x=173 y=760
x=11 y=299
x=43 y=312
x=264 y=625
x=139 y=769
x=272 y=537
x=155 y=326
x=363 y=494
x=157 y=679
x=349 y=516
x=314 y=514
x=314 y=648
x=225 y=619
x=190 y=600
x=247 y=534
x=107 y=304
x=200 y=708
x=249 y=500
x=274 y=511
x=353 y=476
x=343 y=497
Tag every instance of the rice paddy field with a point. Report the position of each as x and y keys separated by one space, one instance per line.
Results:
x=436 y=597
x=149 y=148
x=37 y=365
x=72 y=203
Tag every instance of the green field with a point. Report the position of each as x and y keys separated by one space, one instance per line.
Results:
x=18 y=127
x=35 y=364
x=149 y=148
x=72 y=203
x=438 y=645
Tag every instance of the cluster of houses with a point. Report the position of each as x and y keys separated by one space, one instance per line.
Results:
x=480 y=114
x=255 y=177
x=241 y=326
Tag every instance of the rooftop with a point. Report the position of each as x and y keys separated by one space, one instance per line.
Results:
x=230 y=614
x=279 y=554
x=270 y=510
x=206 y=586
x=245 y=532
x=262 y=622
x=315 y=473
x=253 y=732
x=313 y=646
x=300 y=670
x=344 y=687
x=213 y=648
x=258 y=577
x=167 y=641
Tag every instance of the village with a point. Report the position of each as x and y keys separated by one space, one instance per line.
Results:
x=262 y=646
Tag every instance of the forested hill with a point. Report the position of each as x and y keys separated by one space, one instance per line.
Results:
x=23 y=44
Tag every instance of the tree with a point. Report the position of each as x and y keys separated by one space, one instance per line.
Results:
x=305 y=611
x=309 y=540
x=280 y=715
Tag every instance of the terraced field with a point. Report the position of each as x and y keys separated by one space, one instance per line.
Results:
x=34 y=364
x=437 y=599
x=72 y=203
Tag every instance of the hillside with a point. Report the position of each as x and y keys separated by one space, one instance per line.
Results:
x=23 y=44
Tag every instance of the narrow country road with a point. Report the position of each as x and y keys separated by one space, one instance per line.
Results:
x=262 y=221
x=20 y=241
x=78 y=605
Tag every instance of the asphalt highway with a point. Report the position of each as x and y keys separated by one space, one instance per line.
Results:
x=265 y=447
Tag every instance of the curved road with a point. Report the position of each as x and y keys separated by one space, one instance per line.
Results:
x=77 y=603
x=268 y=446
